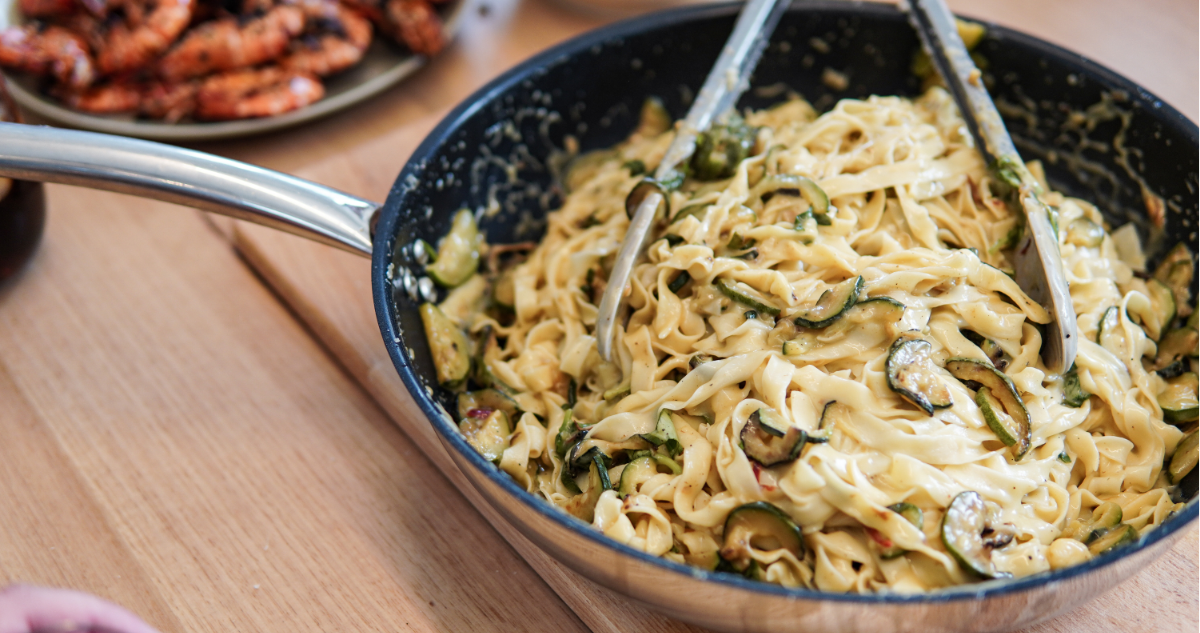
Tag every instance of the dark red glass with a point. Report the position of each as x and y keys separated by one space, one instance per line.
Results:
x=22 y=209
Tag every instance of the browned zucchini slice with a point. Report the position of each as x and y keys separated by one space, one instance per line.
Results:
x=487 y=431
x=1183 y=461
x=447 y=345
x=979 y=375
x=769 y=440
x=912 y=374
x=963 y=528
x=458 y=253
x=759 y=526
x=831 y=305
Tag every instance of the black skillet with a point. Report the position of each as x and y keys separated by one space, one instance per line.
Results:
x=591 y=88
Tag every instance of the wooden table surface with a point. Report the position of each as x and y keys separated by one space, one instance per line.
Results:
x=195 y=421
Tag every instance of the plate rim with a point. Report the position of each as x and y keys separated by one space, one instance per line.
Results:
x=177 y=132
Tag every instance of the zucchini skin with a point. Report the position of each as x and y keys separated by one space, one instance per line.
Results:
x=1183 y=460
x=728 y=287
x=904 y=357
x=770 y=446
x=447 y=345
x=1179 y=401
x=1001 y=387
x=739 y=532
x=1074 y=394
x=840 y=298
x=458 y=253
x=962 y=534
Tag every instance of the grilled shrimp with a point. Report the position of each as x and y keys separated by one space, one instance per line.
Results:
x=416 y=23
x=225 y=45
x=335 y=38
x=168 y=101
x=263 y=92
x=106 y=98
x=144 y=34
x=50 y=50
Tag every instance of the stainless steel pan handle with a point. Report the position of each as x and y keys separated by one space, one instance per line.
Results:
x=195 y=179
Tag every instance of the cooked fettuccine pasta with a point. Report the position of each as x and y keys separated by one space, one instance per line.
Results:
x=825 y=377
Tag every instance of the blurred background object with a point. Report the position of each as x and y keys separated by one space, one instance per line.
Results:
x=22 y=208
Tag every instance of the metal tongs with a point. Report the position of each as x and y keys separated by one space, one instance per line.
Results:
x=727 y=80
x=1036 y=260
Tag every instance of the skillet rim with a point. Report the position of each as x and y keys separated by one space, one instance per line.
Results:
x=386 y=313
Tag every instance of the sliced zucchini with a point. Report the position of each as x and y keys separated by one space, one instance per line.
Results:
x=746 y=296
x=1176 y=272
x=1176 y=344
x=664 y=434
x=1179 y=401
x=978 y=375
x=1105 y=517
x=1084 y=232
x=887 y=549
x=769 y=440
x=486 y=400
x=458 y=254
x=1159 y=313
x=912 y=374
x=641 y=190
x=636 y=473
x=679 y=281
x=569 y=434
x=990 y=348
x=504 y=293
x=1183 y=461
x=1073 y=393
x=486 y=431
x=720 y=149
x=583 y=506
x=1010 y=432
x=653 y=119
x=1112 y=539
x=447 y=345
x=664 y=460
x=790 y=184
x=831 y=305
x=697 y=210
x=759 y=526
x=963 y=527
x=833 y=413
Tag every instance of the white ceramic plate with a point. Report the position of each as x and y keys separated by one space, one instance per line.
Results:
x=382 y=66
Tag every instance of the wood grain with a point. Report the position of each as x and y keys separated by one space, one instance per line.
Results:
x=175 y=441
